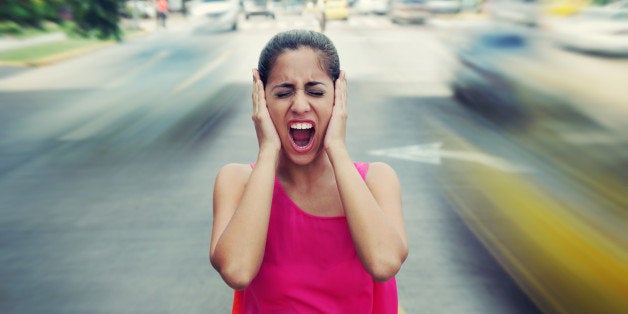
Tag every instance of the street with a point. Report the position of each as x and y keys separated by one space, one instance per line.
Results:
x=107 y=164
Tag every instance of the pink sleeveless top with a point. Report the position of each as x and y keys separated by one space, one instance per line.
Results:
x=310 y=265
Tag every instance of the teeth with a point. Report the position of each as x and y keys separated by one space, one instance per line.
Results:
x=301 y=126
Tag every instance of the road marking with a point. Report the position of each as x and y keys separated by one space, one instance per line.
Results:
x=433 y=153
x=202 y=72
x=128 y=75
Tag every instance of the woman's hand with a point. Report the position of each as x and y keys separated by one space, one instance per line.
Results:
x=267 y=136
x=337 y=128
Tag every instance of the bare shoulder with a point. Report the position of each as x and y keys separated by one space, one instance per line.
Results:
x=233 y=175
x=380 y=171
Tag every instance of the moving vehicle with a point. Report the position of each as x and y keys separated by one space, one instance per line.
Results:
x=595 y=29
x=379 y=7
x=258 y=7
x=444 y=6
x=408 y=11
x=483 y=78
x=518 y=12
x=222 y=13
x=335 y=9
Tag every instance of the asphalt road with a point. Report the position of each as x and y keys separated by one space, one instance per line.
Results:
x=107 y=164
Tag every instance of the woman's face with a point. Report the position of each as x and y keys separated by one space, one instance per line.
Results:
x=300 y=98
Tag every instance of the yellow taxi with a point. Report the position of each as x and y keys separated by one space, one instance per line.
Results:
x=334 y=9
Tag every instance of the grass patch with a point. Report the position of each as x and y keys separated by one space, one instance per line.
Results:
x=51 y=51
x=36 y=53
x=11 y=29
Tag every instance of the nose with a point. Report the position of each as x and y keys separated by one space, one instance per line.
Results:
x=300 y=103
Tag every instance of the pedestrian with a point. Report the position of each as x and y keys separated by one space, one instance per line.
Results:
x=162 y=12
x=322 y=15
x=304 y=228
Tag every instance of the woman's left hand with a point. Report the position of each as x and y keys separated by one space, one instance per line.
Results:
x=337 y=128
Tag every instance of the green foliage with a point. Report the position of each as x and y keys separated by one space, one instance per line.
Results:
x=30 y=13
x=10 y=28
x=96 y=18
x=86 y=18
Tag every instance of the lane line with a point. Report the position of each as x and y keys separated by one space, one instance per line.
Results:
x=128 y=75
x=202 y=72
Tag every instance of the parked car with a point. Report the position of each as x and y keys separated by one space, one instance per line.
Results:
x=444 y=6
x=408 y=11
x=596 y=29
x=222 y=13
x=258 y=7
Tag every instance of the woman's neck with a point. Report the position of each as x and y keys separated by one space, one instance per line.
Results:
x=304 y=175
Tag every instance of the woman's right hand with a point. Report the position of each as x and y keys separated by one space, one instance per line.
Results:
x=267 y=136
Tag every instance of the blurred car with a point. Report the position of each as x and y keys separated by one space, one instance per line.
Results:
x=483 y=78
x=335 y=9
x=408 y=11
x=595 y=29
x=562 y=7
x=520 y=12
x=379 y=7
x=258 y=7
x=223 y=13
x=444 y=6
x=139 y=8
x=291 y=6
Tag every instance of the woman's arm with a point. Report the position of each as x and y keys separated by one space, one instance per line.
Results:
x=242 y=200
x=373 y=208
x=374 y=214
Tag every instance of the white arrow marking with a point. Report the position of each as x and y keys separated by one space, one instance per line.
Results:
x=433 y=154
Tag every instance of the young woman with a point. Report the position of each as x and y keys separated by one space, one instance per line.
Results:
x=304 y=229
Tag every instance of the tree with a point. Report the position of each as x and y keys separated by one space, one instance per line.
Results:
x=29 y=13
x=96 y=17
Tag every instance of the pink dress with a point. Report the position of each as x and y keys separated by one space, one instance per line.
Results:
x=311 y=266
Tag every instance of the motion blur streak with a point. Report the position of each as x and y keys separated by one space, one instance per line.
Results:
x=567 y=259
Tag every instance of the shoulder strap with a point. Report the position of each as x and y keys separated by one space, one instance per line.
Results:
x=363 y=168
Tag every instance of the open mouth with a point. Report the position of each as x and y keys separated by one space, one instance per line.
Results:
x=302 y=135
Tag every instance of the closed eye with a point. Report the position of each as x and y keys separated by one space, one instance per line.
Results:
x=283 y=94
x=316 y=93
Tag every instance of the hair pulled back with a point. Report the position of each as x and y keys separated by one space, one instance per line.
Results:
x=293 y=40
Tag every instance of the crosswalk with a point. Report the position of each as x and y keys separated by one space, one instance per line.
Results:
x=355 y=22
x=310 y=22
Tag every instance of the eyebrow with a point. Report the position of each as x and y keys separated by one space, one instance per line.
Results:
x=288 y=85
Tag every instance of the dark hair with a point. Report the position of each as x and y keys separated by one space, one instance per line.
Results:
x=293 y=40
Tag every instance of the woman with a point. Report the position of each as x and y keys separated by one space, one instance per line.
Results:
x=305 y=229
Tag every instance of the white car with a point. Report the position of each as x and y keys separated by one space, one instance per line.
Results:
x=379 y=7
x=595 y=29
x=223 y=13
x=444 y=6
